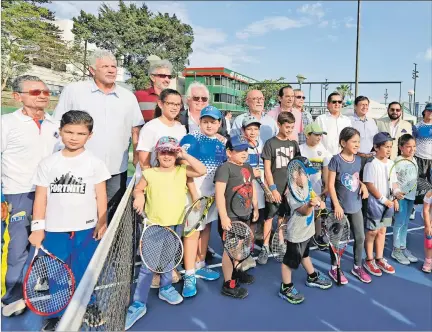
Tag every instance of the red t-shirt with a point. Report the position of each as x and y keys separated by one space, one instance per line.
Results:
x=147 y=100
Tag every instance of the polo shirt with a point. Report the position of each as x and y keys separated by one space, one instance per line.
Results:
x=147 y=100
x=114 y=115
x=368 y=129
x=332 y=126
x=23 y=146
x=268 y=127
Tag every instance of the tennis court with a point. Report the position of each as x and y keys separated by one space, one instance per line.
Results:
x=390 y=303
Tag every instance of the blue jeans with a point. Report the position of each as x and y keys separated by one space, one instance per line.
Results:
x=144 y=282
x=401 y=220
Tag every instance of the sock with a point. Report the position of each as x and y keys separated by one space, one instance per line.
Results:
x=313 y=275
x=230 y=284
x=190 y=272
x=334 y=267
x=428 y=260
x=199 y=265
x=356 y=267
x=285 y=286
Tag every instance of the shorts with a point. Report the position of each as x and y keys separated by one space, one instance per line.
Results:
x=373 y=225
x=295 y=252
x=272 y=209
x=245 y=219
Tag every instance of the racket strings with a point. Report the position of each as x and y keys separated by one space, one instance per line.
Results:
x=278 y=244
x=195 y=214
x=406 y=174
x=338 y=232
x=238 y=241
x=298 y=180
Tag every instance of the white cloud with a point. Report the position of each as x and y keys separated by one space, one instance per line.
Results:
x=349 y=22
x=334 y=24
x=314 y=10
x=268 y=24
x=323 y=24
x=428 y=54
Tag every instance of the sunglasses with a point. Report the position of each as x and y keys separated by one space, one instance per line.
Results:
x=336 y=101
x=395 y=109
x=301 y=97
x=204 y=99
x=37 y=92
x=163 y=76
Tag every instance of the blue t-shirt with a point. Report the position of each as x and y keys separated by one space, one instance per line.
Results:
x=347 y=182
x=208 y=150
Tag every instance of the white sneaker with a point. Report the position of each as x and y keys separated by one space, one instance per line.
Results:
x=14 y=309
x=413 y=213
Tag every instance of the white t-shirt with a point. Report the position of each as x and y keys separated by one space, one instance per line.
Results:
x=332 y=126
x=71 y=196
x=319 y=157
x=378 y=172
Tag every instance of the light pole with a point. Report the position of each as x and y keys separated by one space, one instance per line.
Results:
x=357 y=49
x=414 y=76
x=385 y=97
x=300 y=79
x=410 y=95
x=325 y=88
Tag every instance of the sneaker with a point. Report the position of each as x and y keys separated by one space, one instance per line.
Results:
x=413 y=213
x=14 y=309
x=155 y=281
x=232 y=288
x=93 y=317
x=41 y=285
x=320 y=242
x=50 y=324
x=398 y=255
x=360 y=273
x=207 y=274
x=247 y=264
x=135 y=312
x=385 y=266
x=243 y=277
x=189 y=286
x=176 y=276
x=263 y=255
x=410 y=256
x=333 y=274
x=170 y=295
x=291 y=295
x=319 y=281
x=427 y=266
x=372 y=268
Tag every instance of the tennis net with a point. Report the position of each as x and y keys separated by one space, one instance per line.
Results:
x=101 y=300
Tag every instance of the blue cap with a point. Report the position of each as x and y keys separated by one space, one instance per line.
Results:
x=382 y=137
x=428 y=107
x=212 y=112
x=237 y=143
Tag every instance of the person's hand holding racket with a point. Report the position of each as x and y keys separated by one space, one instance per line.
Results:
x=363 y=191
x=276 y=196
x=138 y=203
x=36 y=238
x=255 y=215
x=226 y=223
x=339 y=212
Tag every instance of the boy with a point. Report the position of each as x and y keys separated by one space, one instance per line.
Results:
x=235 y=199
x=277 y=152
x=298 y=236
x=69 y=213
x=319 y=157
x=204 y=146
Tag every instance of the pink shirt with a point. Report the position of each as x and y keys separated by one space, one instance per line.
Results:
x=298 y=126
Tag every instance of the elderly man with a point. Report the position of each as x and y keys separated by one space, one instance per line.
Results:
x=28 y=135
x=299 y=100
x=117 y=117
x=394 y=125
x=255 y=103
x=160 y=77
x=333 y=122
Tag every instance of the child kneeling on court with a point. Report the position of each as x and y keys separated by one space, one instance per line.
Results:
x=69 y=213
x=161 y=191
x=299 y=233
x=236 y=200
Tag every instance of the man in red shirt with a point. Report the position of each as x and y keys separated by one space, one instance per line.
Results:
x=160 y=77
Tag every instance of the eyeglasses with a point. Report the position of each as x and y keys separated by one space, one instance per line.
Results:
x=173 y=105
x=203 y=99
x=395 y=109
x=163 y=76
x=257 y=99
x=301 y=97
x=336 y=101
x=37 y=92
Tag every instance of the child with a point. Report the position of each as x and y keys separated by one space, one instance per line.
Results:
x=407 y=146
x=346 y=192
x=317 y=154
x=380 y=208
x=427 y=215
x=69 y=213
x=298 y=235
x=235 y=199
x=277 y=152
x=160 y=187
x=204 y=146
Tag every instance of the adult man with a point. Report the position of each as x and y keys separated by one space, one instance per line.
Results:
x=299 y=99
x=28 y=135
x=394 y=125
x=423 y=133
x=117 y=118
x=160 y=77
x=286 y=103
x=333 y=122
x=228 y=118
x=255 y=103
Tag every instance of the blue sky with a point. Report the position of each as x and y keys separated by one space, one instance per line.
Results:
x=272 y=39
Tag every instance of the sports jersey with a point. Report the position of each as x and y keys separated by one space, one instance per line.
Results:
x=423 y=134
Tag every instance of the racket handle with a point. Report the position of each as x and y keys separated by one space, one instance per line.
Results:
x=339 y=282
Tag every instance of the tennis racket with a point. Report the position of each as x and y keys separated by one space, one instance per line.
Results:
x=267 y=193
x=338 y=233
x=320 y=218
x=161 y=248
x=196 y=215
x=238 y=242
x=278 y=244
x=45 y=268
x=298 y=181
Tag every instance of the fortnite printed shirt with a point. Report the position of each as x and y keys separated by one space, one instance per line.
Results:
x=71 y=195
x=239 y=190
x=211 y=152
x=347 y=182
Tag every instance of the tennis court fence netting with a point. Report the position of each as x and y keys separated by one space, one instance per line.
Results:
x=101 y=300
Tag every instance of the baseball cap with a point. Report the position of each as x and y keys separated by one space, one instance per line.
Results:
x=382 y=137
x=212 y=112
x=428 y=107
x=310 y=170
x=237 y=143
x=314 y=128
x=167 y=143
x=249 y=119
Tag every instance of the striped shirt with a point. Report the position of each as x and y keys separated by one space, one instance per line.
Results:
x=306 y=119
x=147 y=100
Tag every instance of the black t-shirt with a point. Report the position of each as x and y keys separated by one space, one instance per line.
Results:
x=238 y=192
x=279 y=153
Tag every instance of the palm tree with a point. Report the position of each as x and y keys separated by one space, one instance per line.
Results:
x=344 y=90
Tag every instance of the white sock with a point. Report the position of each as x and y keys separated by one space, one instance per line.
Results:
x=190 y=272
x=199 y=265
x=334 y=267
x=356 y=267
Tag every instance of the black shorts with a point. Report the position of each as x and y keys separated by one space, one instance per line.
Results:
x=295 y=252
x=425 y=176
x=272 y=209
x=245 y=219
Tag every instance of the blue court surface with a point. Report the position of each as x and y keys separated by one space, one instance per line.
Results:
x=398 y=302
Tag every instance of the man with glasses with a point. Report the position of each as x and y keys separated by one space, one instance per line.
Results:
x=333 y=122
x=160 y=78
x=299 y=100
x=28 y=135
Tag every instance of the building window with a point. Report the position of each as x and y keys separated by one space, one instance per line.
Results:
x=217 y=81
x=224 y=81
x=208 y=81
x=216 y=97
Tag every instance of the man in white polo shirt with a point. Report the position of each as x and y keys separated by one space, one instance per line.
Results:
x=117 y=117
x=28 y=135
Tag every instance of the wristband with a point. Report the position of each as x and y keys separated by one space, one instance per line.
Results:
x=37 y=225
x=273 y=187
x=383 y=200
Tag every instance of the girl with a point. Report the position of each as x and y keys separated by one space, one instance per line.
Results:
x=163 y=185
x=346 y=192
x=407 y=147
x=427 y=215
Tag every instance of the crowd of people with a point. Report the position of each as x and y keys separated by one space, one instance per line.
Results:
x=63 y=176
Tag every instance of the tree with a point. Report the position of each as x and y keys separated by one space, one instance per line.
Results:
x=132 y=33
x=344 y=90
